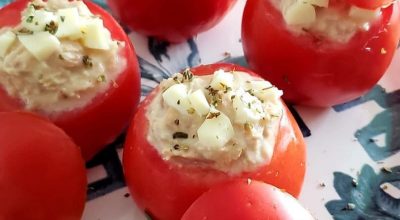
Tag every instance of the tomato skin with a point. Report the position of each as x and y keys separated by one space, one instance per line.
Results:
x=246 y=200
x=173 y=20
x=313 y=72
x=42 y=173
x=370 y=4
x=102 y=120
x=166 y=190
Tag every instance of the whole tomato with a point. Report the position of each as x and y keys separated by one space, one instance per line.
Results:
x=165 y=190
x=246 y=200
x=105 y=117
x=313 y=70
x=42 y=173
x=173 y=20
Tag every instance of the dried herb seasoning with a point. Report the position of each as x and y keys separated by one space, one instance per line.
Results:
x=212 y=115
x=176 y=121
x=29 y=19
x=51 y=27
x=180 y=135
x=87 y=61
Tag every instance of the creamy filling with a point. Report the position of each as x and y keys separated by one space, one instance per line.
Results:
x=59 y=58
x=337 y=22
x=227 y=121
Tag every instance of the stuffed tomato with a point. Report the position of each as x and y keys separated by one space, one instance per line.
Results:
x=208 y=125
x=321 y=52
x=173 y=20
x=71 y=62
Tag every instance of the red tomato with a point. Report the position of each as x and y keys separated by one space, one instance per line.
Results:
x=101 y=121
x=315 y=71
x=173 y=20
x=246 y=200
x=165 y=190
x=370 y=4
x=42 y=173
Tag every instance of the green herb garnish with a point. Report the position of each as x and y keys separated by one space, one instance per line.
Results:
x=101 y=78
x=87 y=61
x=212 y=115
x=187 y=75
x=180 y=135
x=29 y=19
x=51 y=27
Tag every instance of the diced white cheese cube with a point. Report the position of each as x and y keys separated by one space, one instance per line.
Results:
x=300 y=14
x=247 y=108
x=69 y=24
x=6 y=40
x=37 y=20
x=199 y=102
x=319 y=3
x=362 y=14
x=176 y=97
x=263 y=90
x=222 y=80
x=95 y=36
x=273 y=109
x=40 y=44
x=269 y=94
x=216 y=131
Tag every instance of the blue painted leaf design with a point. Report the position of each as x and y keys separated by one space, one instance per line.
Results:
x=102 y=3
x=163 y=67
x=377 y=94
x=369 y=200
x=241 y=61
x=386 y=202
x=151 y=76
x=343 y=185
x=335 y=207
x=185 y=54
x=387 y=123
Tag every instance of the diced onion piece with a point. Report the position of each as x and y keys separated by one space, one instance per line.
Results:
x=270 y=94
x=247 y=108
x=222 y=80
x=319 y=3
x=176 y=97
x=199 y=102
x=83 y=9
x=215 y=131
x=95 y=36
x=6 y=40
x=265 y=91
x=40 y=44
x=257 y=85
x=300 y=14
x=37 y=20
x=363 y=14
x=69 y=24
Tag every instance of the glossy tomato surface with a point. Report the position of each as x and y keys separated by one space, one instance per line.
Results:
x=311 y=70
x=166 y=190
x=42 y=172
x=370 y=4
x=105 y=117
x=246 y=200
x=172 y=20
